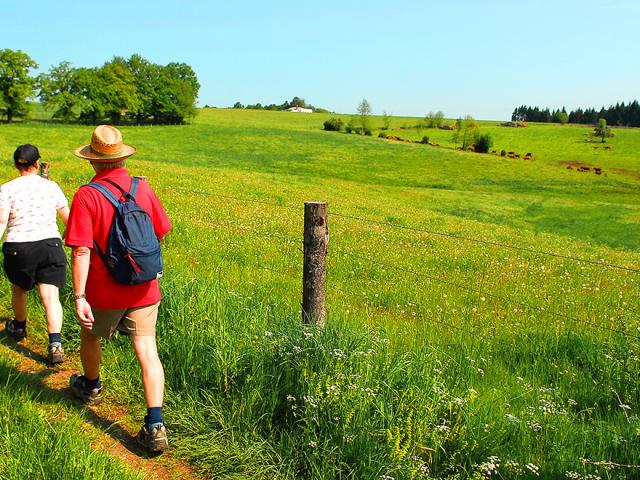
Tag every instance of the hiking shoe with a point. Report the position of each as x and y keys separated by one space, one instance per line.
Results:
x=56 y=353
x=78 y=384
x=153 y=438
x=14 y=331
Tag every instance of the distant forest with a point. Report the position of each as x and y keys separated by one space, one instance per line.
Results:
x=295 y=102
x=621 y=114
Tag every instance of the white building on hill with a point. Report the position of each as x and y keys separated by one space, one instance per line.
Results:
x=299 y=110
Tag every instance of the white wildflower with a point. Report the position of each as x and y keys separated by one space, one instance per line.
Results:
x=534 y=469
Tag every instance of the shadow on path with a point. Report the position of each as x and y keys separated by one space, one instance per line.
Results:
x=33 y=376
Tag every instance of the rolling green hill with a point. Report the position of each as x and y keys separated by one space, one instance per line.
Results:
x=444 y=348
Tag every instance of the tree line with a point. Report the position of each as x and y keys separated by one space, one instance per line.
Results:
x=620 y=114
x=133 y=90
x=295 y=102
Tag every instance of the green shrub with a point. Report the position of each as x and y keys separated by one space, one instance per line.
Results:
x=368 y=132
x=425 y=140
x=333 y=125
x=382 y=135
x=503 y=153
x=349 y=129
x=484 y=143
x=359 y=130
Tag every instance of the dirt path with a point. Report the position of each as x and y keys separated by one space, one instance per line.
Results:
x=108 y=425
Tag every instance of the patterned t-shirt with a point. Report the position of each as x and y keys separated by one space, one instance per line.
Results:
x=32 y=202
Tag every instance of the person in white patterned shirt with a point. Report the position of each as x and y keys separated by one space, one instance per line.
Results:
x=33 y=252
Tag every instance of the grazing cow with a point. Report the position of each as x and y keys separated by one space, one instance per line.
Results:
x=517 y=155
x=584 y=169
x=608 y=147
x=569 y=167
x=596 y=147
x=391 y=137
x=495 y=152
x=512 y=155
x=527 y=157
x=598 y=170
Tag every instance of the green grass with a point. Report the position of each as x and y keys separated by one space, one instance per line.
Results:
x=41 y=438
x=434 y=370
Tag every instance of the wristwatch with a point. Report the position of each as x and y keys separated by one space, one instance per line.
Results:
x=78 y=296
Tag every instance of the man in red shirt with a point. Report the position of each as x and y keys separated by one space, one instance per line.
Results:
x=102 y=304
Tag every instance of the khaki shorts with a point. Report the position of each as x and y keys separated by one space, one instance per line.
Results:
x=139 y=321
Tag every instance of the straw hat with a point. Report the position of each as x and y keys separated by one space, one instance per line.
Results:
x=106 y=146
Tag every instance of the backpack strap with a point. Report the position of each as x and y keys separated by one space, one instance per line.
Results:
x=130 y=194
x=106 y=192
x=114 y=201
x=134 y=187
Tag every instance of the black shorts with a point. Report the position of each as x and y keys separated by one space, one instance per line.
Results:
x=29 y=263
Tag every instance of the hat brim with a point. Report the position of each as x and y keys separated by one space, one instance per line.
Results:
x=88 y=154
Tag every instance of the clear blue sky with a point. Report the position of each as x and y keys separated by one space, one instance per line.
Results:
x=463 y=57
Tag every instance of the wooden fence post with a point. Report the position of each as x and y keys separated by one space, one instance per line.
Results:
x=44 y=170
x=314 y=272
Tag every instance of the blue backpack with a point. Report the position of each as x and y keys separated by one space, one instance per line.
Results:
x=133 y=253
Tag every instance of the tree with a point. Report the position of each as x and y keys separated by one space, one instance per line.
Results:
x=16 y=86
x=602 y=130
x=484 y=143
x=89 y=86
x=57 y=92
x=386 y=120
x=434 y=120
x=175 y=93
x=121 y=96
x=238 y=105
x=468 y=131
x=455 y=138
x=145 y=74
x=561 y=116
x=364 y=110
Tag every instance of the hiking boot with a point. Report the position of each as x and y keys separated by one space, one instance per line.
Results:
x=56 y=353
x=154 y=438
x=89 y=396
x=14 y=331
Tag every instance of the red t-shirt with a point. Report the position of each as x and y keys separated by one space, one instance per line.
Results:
x=90 y=219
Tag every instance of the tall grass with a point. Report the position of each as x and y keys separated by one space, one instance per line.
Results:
x=41 y=440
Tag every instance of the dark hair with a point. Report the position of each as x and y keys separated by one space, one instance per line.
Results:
x=25 y=156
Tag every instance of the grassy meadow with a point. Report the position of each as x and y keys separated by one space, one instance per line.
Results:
x=442 y=357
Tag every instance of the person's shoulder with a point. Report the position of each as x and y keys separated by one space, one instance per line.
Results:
x=85 y=193
x=143 y=184
x=13 y=185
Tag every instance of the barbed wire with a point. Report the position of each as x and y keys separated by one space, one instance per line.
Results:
x=601 y=263
x=441 y=322
x=247 y=201
x=236 y=226
x=487 y=294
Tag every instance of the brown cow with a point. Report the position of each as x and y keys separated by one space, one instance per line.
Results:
x=608 y=147
x=598 y=170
